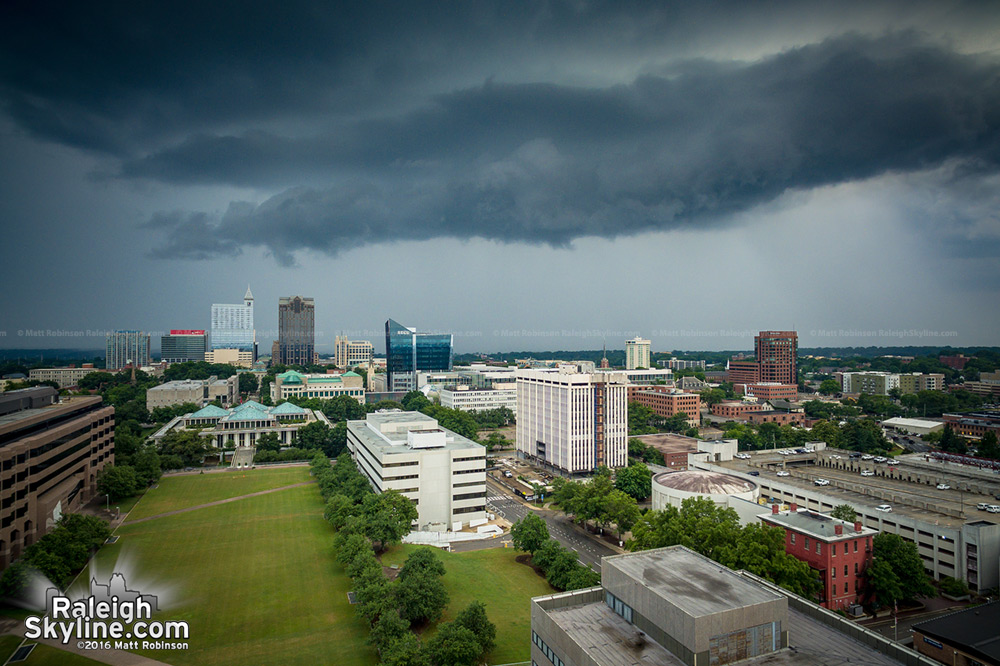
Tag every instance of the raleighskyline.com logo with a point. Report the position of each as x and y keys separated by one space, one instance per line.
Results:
x=112 y=617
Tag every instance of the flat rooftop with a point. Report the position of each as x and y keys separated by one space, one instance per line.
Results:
x=690 y=582
x=26 y=414
x=817 y=525
x=612 y=641
x=669 y=442
x=394 y=426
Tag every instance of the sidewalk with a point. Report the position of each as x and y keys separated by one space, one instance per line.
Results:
x=113 y=657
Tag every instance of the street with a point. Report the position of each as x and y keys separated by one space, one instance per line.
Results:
x=589 y=549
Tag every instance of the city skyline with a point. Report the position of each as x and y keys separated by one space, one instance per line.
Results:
x=506 y=174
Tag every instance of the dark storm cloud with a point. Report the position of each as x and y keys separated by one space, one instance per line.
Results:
x=549 y=163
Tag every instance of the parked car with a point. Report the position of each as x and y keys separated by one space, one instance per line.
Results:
x=867 y=456
x=754 y=473
x=983 y=506
x=855 y=456
x=880 y=459
x=821 y=482
x=784 y=473
x=867 y=472
x=884 y=508
x=507 y=474
x=743 y=456
x=993 y=508
x=943 y=486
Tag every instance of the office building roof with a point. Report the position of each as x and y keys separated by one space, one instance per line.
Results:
x=974 y=630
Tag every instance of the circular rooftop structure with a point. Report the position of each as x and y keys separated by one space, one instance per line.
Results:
x=672 y=488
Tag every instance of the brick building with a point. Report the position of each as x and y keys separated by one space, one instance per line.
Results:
x=768 y=391
x=50 y=455
x=775 y=356
x=836 y=549
x=737 y=410
x=666 y=401
x=775 y=416
x=675 y=448
x=974 y=424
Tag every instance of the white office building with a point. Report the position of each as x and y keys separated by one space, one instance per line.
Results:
x=573 y=421
x=325 y=387
x=232 y=327
x=470 y=399
x=352 y=353
x=442 y=472
x=637 y=353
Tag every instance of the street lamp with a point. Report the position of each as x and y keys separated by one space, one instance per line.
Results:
x=109 y=503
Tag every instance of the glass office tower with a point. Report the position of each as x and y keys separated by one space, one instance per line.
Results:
x=407 y=352
x=232 y=325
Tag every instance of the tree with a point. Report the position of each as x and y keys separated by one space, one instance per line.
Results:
x=388 y=516
x=405 y=651
x=146 y=464
x=422 y=597
x=336 y=442
x=844 y=512
x=897 y=572
x=474 y=619
x=186 y=444
x=312 y=435
x=453 y=645
x=635 y=480
x=338 y=509
x=248 y=383
x=387 y=629
x=118 y=482
x=988 y=447
x=713 y=396
x=622 y=510
x=269 y=441
x=829 y=387
x=529 y=533
x=760 y=549
x=422 y=560
x=951 y=442
x=415 y=401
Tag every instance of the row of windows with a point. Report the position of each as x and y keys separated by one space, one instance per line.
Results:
x=618 y=606
x=833 y=570
x=470 y=471
x=467 y=484
x=466 y=496
x=470 y=509
x=465 y=459
x=546 y=650
x=819 y=546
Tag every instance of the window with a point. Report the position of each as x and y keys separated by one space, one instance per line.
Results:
x=845 y=569
x=807 y=543
x=845 y=587
x=855 y=545
x=819 y=548
x=855 y=567
x=833 y=572
x=833 y=550
x=793 y=537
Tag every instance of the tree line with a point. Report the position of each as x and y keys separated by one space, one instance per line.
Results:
x=366 y=523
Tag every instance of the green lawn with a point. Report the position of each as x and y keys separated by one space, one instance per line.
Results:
x=42 y=655
x=494 y=578
x=180 y=492
x=255 y=579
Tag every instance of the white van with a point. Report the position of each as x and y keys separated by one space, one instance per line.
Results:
x=884 y=508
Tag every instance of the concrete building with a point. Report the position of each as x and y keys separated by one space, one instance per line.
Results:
x=64 y=377
x=672 y=488
x=988 y=385
x=637 y=354
x=880 y=383
x=964 y=638
x=297 y=384
x=667 y=402
x=668 y=606
x=470 y=399
x=296 y=331
x=573 y=421
x=244 y=424
x=443 y=473
x=197 y=391
x=408 y=352
x=241 y=358
x=352 y=353
x=942 y=523
x=233 y=328
x=648 y=376
x=678 y=364
x=51 y=452
x=183 y=345
x=126 y=349
x=839 y=551
x=913 y=426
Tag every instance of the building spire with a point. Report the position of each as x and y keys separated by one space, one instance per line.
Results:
x=249 y=294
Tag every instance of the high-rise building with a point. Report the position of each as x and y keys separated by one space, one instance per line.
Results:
x=573 y=421
x=127 y=349
x=232 y=326
x=296 y=330
x=183 y=345
x=776 y=356
x=777 y=352
x=52 y=454
x=351 y=353
x=636 y=353
x=408 y=351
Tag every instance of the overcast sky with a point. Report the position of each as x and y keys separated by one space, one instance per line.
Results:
x=538 y=175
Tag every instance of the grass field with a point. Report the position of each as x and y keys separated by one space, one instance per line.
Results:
x=42 y=655
x=494 y=578
x=255 y=579
x=180 y=492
